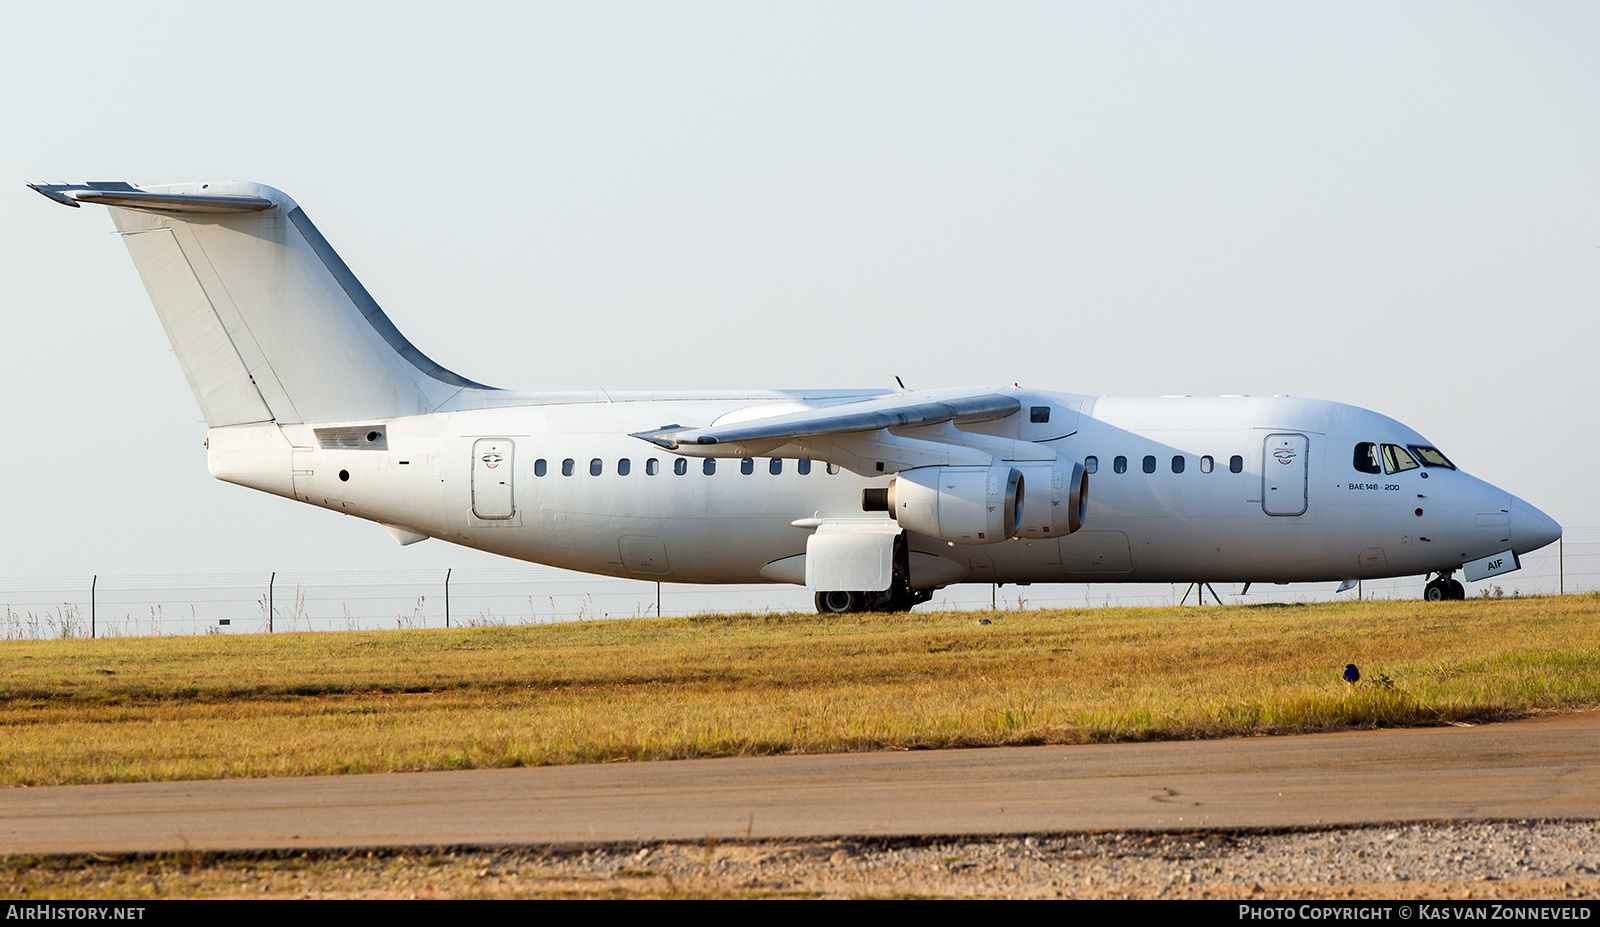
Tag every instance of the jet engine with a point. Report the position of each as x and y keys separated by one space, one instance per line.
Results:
x=1057 y=495
x=962 y=505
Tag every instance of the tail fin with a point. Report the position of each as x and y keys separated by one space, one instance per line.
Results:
x=266 y=320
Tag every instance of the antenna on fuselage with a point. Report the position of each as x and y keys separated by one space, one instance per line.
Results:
x=901 y=382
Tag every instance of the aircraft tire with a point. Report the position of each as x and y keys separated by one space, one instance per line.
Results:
x=838 y=603
x=1457 y=591
x=898 y=600
x=1436 y=591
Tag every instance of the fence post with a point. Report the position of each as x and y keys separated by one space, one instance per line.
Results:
x=1561 y=565
x=447 y=596
x=271 y=581
x=658 y=598
x=92 y=583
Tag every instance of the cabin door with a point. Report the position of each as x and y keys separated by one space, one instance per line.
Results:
x=1283 y=474
x=491 y=478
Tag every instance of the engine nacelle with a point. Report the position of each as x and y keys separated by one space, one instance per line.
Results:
x=1057 y=496
x=962 y=505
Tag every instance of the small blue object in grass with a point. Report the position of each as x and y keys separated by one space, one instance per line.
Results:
x=1351 y=674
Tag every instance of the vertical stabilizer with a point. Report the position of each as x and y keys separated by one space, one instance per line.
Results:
x=265 y=318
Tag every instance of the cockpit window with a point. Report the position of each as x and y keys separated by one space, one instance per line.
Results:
x=1431 y=457
x=1395 y=459
x=1366 y=459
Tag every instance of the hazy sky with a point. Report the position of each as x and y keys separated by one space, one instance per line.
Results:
x=1395 y=205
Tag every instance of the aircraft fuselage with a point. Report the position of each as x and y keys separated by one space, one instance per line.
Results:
x=1238 y=489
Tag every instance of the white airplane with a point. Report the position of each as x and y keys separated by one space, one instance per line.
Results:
x=871 y=498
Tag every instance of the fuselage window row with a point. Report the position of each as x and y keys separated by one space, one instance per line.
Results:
x=1119 y=464
x=1369 y=457
x=680 y=466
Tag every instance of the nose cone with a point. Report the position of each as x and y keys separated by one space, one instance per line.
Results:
x=1531 y=529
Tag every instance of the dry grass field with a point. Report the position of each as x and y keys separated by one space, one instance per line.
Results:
x=78 y=711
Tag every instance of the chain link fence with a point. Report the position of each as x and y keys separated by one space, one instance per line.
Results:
x=140 y=606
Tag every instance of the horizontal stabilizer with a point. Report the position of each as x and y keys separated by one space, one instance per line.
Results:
x=118 y=193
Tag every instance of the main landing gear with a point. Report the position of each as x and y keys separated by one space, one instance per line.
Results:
x=1444 y=589
x=898 y=599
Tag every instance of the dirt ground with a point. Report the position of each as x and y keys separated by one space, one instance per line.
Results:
x=1502 y=860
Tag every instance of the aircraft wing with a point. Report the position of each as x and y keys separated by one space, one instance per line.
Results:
x=880 y=435
x=902 y=410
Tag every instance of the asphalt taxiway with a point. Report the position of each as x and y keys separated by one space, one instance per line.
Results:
x=1545 y=768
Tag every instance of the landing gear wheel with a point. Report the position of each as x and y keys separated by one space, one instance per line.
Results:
x=1444 y=589
x=838 y=602
x=892 y=600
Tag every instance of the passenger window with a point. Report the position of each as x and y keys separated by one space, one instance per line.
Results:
x=1091 y=464
x=1038 y=415
x=538 y=467
x=1206 y=463
x=1431 y=457
x=1177 y=464
x=596 y=467
x=624 y=467
x=680 y=466
x=1396 y=460
x=1236 y=464
x=1120 y=465
x=803 y=467
x=747 y=466
x=775 y=466
x=833 y=468
x=652 y=467
x=709 y=467
x=1149 y=464
x=1366 y=458
x=566 y=467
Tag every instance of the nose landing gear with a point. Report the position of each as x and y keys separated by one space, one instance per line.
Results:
x=1444 y=589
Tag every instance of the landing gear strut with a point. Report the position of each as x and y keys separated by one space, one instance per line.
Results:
x=1444 y=589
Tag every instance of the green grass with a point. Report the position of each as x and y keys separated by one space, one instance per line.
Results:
x=327 y=703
